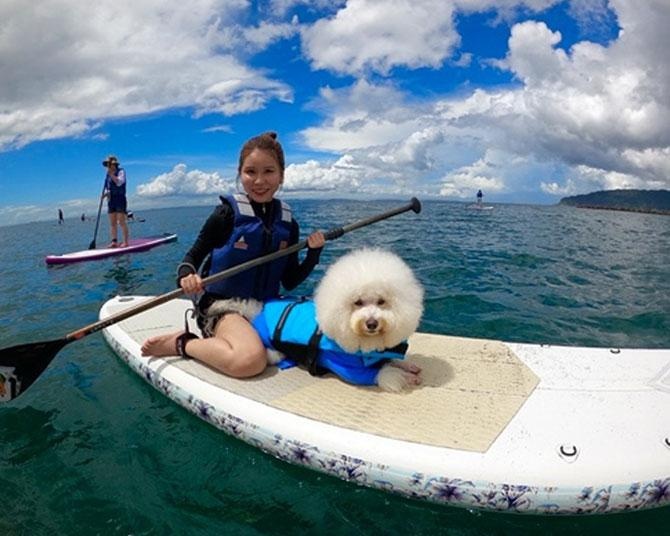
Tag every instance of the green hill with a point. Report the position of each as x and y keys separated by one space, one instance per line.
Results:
x=653 y=201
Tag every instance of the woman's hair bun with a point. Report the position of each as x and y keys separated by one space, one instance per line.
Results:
x=267 y=141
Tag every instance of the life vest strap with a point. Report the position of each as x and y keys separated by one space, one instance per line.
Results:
x=305 y=355
x=313 y=353
x=400 y=348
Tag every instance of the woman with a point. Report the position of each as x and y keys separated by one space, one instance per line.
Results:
x=243 y=227
x=115 y=191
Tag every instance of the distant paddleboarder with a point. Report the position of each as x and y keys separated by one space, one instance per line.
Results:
x=131 y=217
x=60 y=216
x=479 y=197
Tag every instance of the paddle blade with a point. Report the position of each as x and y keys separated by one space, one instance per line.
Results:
x=21 y=365
x=92 y=245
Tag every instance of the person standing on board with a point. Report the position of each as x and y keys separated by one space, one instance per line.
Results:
x=115 y=191
x=244 y=226
x=479 y=197
x=60 y=216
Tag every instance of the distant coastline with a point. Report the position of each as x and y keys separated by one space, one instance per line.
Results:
x=647 y=201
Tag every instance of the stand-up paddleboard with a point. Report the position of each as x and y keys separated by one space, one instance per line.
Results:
x=135 y=245
x=499 y=426
x=480 y=207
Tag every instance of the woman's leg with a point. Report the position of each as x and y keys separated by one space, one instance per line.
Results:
x=235 y=349
x=112 y=229
x=123 y=223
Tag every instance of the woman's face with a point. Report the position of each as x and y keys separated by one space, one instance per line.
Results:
x=261 y=175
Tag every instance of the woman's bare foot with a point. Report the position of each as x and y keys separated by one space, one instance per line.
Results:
x=123 y=245
x=161 y=345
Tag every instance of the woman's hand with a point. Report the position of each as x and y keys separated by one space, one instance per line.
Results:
x=191 y=284
x=316 y=240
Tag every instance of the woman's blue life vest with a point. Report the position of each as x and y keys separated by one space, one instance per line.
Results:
x=249 y=240
x=116 y=190
x=289 y=326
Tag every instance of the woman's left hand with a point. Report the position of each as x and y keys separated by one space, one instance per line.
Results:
x=316 y=240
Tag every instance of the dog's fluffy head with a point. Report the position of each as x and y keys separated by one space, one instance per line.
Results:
x=369 y=300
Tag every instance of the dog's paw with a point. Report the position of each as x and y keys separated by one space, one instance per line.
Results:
x=273 y=356
x=395 y=378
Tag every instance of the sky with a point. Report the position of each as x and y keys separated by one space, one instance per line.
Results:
x=528 y=100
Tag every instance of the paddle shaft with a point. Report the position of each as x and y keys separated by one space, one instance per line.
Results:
x=337 y=232
x=97 y=219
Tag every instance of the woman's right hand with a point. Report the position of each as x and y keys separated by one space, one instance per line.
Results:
x=316 y=240
x=191 y=284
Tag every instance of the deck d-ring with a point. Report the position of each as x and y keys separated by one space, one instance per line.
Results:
x=666 y=442
x=615 y=350
x=568 y=452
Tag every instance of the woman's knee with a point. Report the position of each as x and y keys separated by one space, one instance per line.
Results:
x=248 y=363
x=246 y=351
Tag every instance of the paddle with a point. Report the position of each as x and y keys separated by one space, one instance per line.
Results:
x=97 y=220
x=21 y=365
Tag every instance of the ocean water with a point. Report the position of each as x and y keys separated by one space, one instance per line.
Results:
x=91 y=448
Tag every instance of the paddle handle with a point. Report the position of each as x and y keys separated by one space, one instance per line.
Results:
x=414 y=205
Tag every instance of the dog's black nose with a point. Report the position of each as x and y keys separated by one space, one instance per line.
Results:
x=371 y=324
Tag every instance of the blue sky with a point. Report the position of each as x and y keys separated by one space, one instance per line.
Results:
x=527 y=100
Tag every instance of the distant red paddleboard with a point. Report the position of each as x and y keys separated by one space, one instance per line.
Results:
x=135 y=245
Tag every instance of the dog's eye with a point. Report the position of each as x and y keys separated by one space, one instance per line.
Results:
x=358 y=303
x=381 y=301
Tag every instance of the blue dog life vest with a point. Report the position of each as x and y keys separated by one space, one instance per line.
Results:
x=289 y=325
x=249 y=240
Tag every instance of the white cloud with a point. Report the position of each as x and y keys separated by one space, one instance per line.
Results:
x=368 y=35
x=347 y=175
x=66 y=65
x=362 y=115
x=267 y=33
x=179 y=181
x=593 y=116
x=582 y=118
x=219 y=128
x=318 y=176
x=13 y=214
x=586 y=179
x=462 y=182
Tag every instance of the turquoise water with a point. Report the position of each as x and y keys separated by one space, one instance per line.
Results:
x=92 y=449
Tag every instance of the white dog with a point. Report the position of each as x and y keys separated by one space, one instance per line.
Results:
x=368 y=301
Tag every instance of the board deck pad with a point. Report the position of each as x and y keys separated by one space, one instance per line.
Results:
x=471 y=388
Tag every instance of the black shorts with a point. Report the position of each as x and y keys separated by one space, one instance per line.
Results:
x=116 y=204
